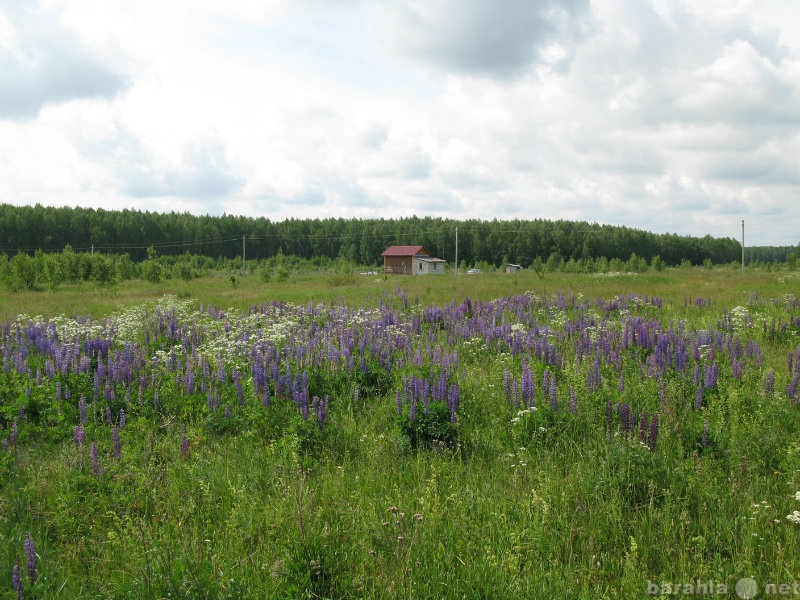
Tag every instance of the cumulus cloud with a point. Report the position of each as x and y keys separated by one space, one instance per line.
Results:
x=473 y=37
x=42 y=62
x=202 y=172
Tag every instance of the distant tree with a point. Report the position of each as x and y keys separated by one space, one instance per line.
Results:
x=21 y=273
x=152 y=270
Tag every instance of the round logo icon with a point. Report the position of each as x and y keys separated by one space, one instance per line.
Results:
x=746 y=587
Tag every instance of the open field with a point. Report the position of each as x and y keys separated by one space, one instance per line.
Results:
x=488 y=436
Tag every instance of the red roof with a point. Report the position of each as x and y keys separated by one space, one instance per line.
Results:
x=404 y=251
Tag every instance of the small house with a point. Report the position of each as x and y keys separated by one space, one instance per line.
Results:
x=512 y=268
x=410 y=260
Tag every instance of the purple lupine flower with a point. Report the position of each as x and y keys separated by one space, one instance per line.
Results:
x=108 y=415
x=321 y=409
x=94 y=460
x=711 y=374
x=184 y=443
x=227 y=413
x=698 y=398
x=621 y=382
x=573 y=401
x=651 y=440
x=78 y=435
x=791 y=389
x=704 y=438
x=58 y=391
x=736 y=369
x=30 y=558
x=18 y=580
x=14 y=435
x=624 y=412
x=399 y=398
x=452 y=401
x=769 y=383
x=696 y=375
x=643 y=422
x=116 y=442
x=155 y=399
x=122 y=420
x=527 y=389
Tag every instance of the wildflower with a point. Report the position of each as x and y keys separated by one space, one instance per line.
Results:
x=14 y=435
x=122 y=419
x=17 y=580
x=184 y=443
x=794 y=517
x=78 y=435
x=573 y=401
x=698 y=401
x=83 y=410
x=651 y=440
x=769 y=383
x=30 y=558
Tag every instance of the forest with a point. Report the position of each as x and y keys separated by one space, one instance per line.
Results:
x=28 y=229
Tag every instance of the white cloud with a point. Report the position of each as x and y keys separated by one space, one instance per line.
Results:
x=667 y=116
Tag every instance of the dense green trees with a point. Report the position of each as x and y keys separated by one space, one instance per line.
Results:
x=82 y=232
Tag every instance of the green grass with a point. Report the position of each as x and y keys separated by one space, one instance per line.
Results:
x=266 y=506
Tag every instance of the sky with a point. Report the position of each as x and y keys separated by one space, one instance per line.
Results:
x=661 y=115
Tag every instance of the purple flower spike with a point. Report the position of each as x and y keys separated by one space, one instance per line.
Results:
x=83 y=409
x=704 y=439
x=184 y=443
x=30 y=558
x=651 y=440
x=17 y=580
x=79 y=435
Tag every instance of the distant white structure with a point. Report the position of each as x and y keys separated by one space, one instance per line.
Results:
x=512 y=268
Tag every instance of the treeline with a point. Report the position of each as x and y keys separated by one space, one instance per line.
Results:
x=26 y=229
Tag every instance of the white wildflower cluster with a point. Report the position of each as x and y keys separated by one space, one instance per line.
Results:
x=741 y=318
x=518 y=328
x=70 y=329
x=615 y=274
x=794 y=516
x=790 y=276
x=521 y=414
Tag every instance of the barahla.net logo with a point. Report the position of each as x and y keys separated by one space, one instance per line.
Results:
x=689 y=588
x=745 y=588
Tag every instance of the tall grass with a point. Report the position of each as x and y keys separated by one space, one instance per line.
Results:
x=231 y=481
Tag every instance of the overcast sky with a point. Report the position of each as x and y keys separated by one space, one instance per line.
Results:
x=661 y=115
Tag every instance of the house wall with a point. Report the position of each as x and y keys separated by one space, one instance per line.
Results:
x=399 y=265
x=424 y=267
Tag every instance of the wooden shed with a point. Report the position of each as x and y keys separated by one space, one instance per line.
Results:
x=410 y=260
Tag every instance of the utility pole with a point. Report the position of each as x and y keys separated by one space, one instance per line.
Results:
x=742 y=246
x=456 y=251
x=244 y=265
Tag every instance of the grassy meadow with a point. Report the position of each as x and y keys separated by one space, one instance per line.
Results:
x=488 y=436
